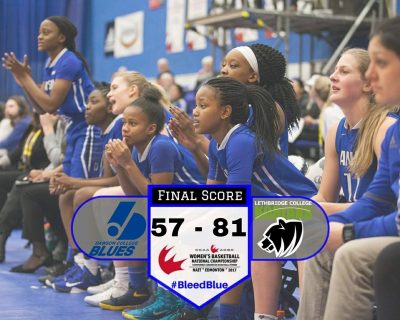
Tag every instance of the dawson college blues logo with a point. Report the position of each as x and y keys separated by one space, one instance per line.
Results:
x=283 y=237
x=112 y=228
x=124 y=225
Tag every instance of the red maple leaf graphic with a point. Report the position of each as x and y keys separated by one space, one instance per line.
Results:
x=214 y=249
x=169 y=266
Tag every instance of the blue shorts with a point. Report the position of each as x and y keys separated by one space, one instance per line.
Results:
x=84 y=150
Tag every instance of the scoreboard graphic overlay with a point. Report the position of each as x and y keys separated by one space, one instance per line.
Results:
x=199 y=239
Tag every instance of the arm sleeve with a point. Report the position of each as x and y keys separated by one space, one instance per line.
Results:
x=215 y=171
x=377 y=227
x=52 y=144
x=240 y=156
x=377 y=204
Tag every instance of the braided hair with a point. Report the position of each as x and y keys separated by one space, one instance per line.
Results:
x=272 y=69
x=238 y=95
x=68 y=29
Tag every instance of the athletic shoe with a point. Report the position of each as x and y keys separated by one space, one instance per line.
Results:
x=78 y=282
x=68 y=273
x=131 y=299
x=184 y=314
x=101 y=287
x=165 y=303
x=115 y=291
x=58 y=269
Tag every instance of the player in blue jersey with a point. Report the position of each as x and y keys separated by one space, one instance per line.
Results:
x=247 y=153
x=155 y=159
x=64 y=89
x=342 y=278
x=138 y=118
x=353 y=145
x=125 y=88
x=265 y=66
x=98 y=112
x=261 y=65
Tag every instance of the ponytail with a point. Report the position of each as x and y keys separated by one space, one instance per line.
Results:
x=265 y=119
x=68 y=29
x=282 y=91
x=364 y=149
x=265 y=123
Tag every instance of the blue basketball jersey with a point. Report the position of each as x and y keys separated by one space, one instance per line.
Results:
x=84 y=147
x=374 y=215
x=68 y=66
x=190 y=172
x=161 y=155
x=113 y=131
x=353 y=187
x=237 y=161
x=83 y=153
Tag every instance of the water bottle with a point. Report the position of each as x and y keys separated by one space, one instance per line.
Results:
x=280 y=314
x=50 y=237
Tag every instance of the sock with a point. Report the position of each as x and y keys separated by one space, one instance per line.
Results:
x=258 y=316
x=91 y=265
x=229 y=311
x=70 y=254
x=79 y=260
x=122 y=276
x=137 y=277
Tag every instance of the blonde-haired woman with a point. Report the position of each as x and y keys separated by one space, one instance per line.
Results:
x=352 y=146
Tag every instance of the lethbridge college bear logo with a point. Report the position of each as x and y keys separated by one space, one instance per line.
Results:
x=283 y=237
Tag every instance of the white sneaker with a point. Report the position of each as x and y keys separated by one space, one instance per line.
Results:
x=101 y=287
x=118 y=289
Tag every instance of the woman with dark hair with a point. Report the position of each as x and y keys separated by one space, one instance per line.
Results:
x=17 y=110
x=65 y=89
x=24 y=158
x=265 y=66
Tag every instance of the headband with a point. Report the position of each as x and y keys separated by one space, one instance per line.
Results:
x=250 y=57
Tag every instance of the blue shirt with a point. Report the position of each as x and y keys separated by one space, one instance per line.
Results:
x=237 y=161
x=375 y=213
x=161 y=155
x=68 y=66
x=190 y=172
x=14 y=139
x=83 y=151
x=113 y=131
x=345 y=143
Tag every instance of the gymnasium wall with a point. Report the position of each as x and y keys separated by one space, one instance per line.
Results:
x=185 y=63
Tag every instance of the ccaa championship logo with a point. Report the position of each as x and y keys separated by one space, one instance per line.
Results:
x=112 y=228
